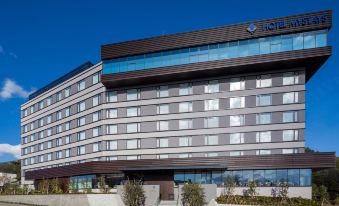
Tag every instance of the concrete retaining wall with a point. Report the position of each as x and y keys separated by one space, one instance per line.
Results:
x=66 y=200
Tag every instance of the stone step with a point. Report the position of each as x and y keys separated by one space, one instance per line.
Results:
x=168 y=203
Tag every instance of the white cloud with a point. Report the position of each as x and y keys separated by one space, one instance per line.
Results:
x=12 y=54
x=12 y=89
x=13 y=150
x=2 y=50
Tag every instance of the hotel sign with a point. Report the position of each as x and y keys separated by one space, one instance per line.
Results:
x=294 y=23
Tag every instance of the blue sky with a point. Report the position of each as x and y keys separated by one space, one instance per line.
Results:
x=42 y=40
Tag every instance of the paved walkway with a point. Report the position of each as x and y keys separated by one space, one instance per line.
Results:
x=7 y=204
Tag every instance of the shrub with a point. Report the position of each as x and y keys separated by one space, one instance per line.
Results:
x=193 y=195
x=133 y=194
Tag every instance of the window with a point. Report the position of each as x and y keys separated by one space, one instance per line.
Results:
x=212 y=86
x=112 y=129
x=32 y=109
x=185 y=141
x=237 y=120
x=236 y=153
x=81 y=136
x=112 y=145
x=81 y=121
x=25 y=140
x=112 y=96
x=263 y=152
x=25 y=128
x=41 y=105
x=185 y=89
x=59 y=96
x=185 y=155
x=133 y=111
x=41 y=122
x=32 y=138
x=95 y=116
x=211 y=104
x=264 y=118
x=81 y=150
x=237 y=102
x=185 y=107
x=25 y=113
x=133 y=127
x=290 y=78
x=162 y=125
x=162 y=91
x=264 y=81
x=32 y=126
x=289 y=151
x=67 y=111
x=290 y=98
x=237 y=138
x=81 y=106
x=112 y=113
x=185 y=124
x=32 y=149
x=32 y=160
x=290 y=135
x=212 y=154
x=49 y=132
x=48 y=101
x=81 y=85
x=290 y=116
x=95 y=131
x=163 y=109
x=211 y=140
x=95 y=78
x=96 y=147
x=263 y=136
x=162 y=142
x=96 y=100
x=67 y=152
x=264 y=100
x=58 y=115
x=162 y=156
x=58 y=154
x=132 y=157
x=237 y=84
x=41 y=158
x=67 y=139
x=67 y=92
x=211 y=122
x=133 y=94
x=49 y=144
x=67 y=126
x=133 y=144
x=49 y=119
x=112 y=158
x=58 y=129
x=41 y=135
x=49 y=156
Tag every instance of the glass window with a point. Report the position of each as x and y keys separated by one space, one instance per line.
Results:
x=95 y=132
x=305 y=177
x=290 y=78
x=290 y=98
x=309 y=40
x=96 y=100
x=264 y=81
x=237 y=102
x=81 y=121
x=132 y=157
x=298 y=41
x=264 y=118
x=286 y=43
x=112 y=145
x=133 y=144
x=263 y=152
x=289 y=151
x=112 y=129
x=162 y=91
x=293 y=177
x=112 y=113
x=58 y=115
x=264 y=44
x=236 y=153
x=81 y=85
x=67 y=139
x=237 y=84
x=185 y=141
x=133 y=127
x=211 y=140
x=237 y=120
x=290 y=116
x=81 y=136
x=270 y=178
x=321 y=38
x=212 y=86
x=259 y=177
x=162 y=156
x=185 y=124
x=290 y=135
x=67 y=92
x=133 y=111
x=96 y=147
x=48 y=101
x=185 y=89
x=185 y=107
x=211 y=104
x=212 y=154
x=81 y=150
x=281 y=176
x=67 y=152
x=263 y=136
x=162 y=125
x=95 y=116
x=162 y=142
x=112 y=96
x=96 y=78
x=81 y=106
x=237 y=138
x=264 y=100
x=41 y=105
x=211 y=122
x=163 y=109
x=67 y=111
x=133 y=94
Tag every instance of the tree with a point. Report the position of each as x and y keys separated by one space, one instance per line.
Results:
x=230 y=187
x=133 y=194
x=55 y=186
x=252 y=190
x=193 y=195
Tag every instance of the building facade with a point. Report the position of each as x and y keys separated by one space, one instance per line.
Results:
x=197 y=107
